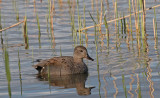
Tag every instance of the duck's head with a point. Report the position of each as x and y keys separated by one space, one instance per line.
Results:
x=80 y=52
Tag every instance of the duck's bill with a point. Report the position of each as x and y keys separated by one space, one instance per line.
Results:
x=89 y=58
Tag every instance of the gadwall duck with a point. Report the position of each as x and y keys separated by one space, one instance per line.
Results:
x=65 y=65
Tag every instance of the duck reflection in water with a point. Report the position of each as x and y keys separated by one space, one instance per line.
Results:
x=68 y=81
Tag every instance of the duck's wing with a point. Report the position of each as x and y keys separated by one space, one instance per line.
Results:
x=56 y=63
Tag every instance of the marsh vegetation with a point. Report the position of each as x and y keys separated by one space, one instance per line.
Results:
x=121 y=35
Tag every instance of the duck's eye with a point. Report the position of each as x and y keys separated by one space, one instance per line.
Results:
x=81 y=50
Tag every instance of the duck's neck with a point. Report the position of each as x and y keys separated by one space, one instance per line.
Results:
x=77 y=60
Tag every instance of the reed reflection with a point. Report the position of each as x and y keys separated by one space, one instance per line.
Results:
x=68 y=81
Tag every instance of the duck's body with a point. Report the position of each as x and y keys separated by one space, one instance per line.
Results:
x=61 y=66
x=65 y=65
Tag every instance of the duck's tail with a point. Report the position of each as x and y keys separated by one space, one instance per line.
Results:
x=40 y=65
x=38 y=68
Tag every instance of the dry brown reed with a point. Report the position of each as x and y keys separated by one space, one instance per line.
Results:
x=154 y=28
x=11 y=26
x=119 y=18
x=51 y=23
x=144 y=13
x=135 y=15
x=100 y=21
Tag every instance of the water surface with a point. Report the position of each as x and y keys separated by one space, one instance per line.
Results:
x=124 y=69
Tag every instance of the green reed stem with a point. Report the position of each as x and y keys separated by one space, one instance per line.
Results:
x=19 y=66
x=96 y=53
x=107 y=31
x=84 y=20
x=32 y=56
x=25 y=25
x=26 y=33
x=142 y=29
x=17 y=15
x=47 y=25
x=121 y=21
x=142 y=20
x=39 y=35
x=80 y=34
x=95 y=38
x=49 y=75
x=73 y=29
x=139 y=93
x=38 y=24
x=1 y=40
x=7 y=68
x=92 y=18
x=0 y=21
x=82 y=40
x=70 y=13
x=60 y=51
x=98 y=18
x=15 y=9
x=140 y=3
x=124 y=86
x=124 y=24
x=75 y=33
x=84 y=12
x=49 y=10
x=79 y=21
x=117 y=22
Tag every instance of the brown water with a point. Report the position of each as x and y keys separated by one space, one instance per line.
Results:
x=123 y=71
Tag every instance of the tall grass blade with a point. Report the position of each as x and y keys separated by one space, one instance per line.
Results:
x=107 y=31
x=95 y=32
x=97 y=61
x=121 y=21
x=92 y=18
x=20 y=76
x=116 y=16
x=70 y=13
x=7 y=69
x=60 y=51
x=79 y=21
x=124 y=86
x=25 y=33
x=50 y=10
x=84 y=23
x=84 y=12
x=139 y=91
x=124 y=24
x=39 y=30
x=0 y=21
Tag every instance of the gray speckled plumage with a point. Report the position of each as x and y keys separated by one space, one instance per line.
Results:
x=65 y=65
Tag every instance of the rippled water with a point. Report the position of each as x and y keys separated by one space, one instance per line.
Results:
x=124 y=70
